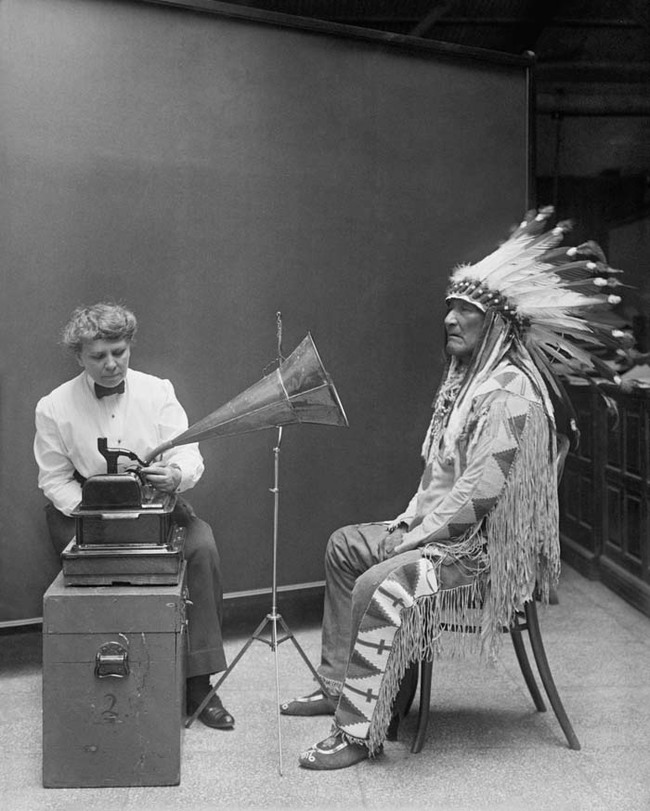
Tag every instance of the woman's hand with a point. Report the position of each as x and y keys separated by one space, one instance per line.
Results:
x=164 y=477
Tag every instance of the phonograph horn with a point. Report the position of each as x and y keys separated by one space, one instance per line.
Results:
x=299 y=390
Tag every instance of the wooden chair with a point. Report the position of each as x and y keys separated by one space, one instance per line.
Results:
x=526 y=620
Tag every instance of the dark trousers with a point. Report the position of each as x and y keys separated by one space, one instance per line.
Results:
x=205 y=652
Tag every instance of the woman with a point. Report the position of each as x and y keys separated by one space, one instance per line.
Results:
x=135 y=411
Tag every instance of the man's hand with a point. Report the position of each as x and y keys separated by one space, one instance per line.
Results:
x=403 y=545
x=162 y=476
x=392 y=540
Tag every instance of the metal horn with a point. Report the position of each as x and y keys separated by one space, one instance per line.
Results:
x=299 y=390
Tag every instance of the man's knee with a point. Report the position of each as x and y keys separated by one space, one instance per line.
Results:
x=338 y=546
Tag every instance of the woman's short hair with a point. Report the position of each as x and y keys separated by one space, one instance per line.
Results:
x=100 y=322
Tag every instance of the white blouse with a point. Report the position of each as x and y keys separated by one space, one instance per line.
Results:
x=70 y=419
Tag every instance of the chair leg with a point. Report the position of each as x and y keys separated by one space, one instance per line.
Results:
x=403 y=700
x=546 y=676
x=393 y=728
x=426 y=669
x=524 y=664
x=410 y=689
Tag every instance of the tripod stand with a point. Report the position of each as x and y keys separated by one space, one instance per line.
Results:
x=273 y=619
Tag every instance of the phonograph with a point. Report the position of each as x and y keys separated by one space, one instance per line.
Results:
x=124 y=530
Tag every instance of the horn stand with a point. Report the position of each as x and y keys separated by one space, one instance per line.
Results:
x=273 y=620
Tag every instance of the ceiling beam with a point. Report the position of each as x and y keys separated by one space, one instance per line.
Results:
x=608 y=104
x=533 y=23
x=431 y=18
x=557 y=22
x=639 y=11
x=609 y=72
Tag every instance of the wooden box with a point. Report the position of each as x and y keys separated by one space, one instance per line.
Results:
x=113 y=685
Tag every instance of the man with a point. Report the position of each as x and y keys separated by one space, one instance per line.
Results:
x=481 y=532
x=137 y=412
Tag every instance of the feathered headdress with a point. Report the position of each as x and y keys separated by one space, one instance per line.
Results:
x=558 y=300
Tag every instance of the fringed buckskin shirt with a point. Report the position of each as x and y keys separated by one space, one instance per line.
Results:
x=506 y=450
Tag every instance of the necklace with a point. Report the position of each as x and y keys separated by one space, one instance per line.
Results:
x=441 y=410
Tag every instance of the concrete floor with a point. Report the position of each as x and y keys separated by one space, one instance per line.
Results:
x=487 y=747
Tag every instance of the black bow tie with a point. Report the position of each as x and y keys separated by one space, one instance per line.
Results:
x=105 y=391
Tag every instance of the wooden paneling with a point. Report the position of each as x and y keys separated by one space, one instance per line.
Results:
x=606 y=533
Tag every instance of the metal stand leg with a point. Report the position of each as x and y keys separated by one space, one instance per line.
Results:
x=273 y=619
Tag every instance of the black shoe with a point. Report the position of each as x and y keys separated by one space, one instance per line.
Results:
x=214 y=714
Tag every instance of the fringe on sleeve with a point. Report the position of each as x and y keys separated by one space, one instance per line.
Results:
x=522 y=532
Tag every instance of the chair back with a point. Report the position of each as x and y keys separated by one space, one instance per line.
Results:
x=562 y=452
